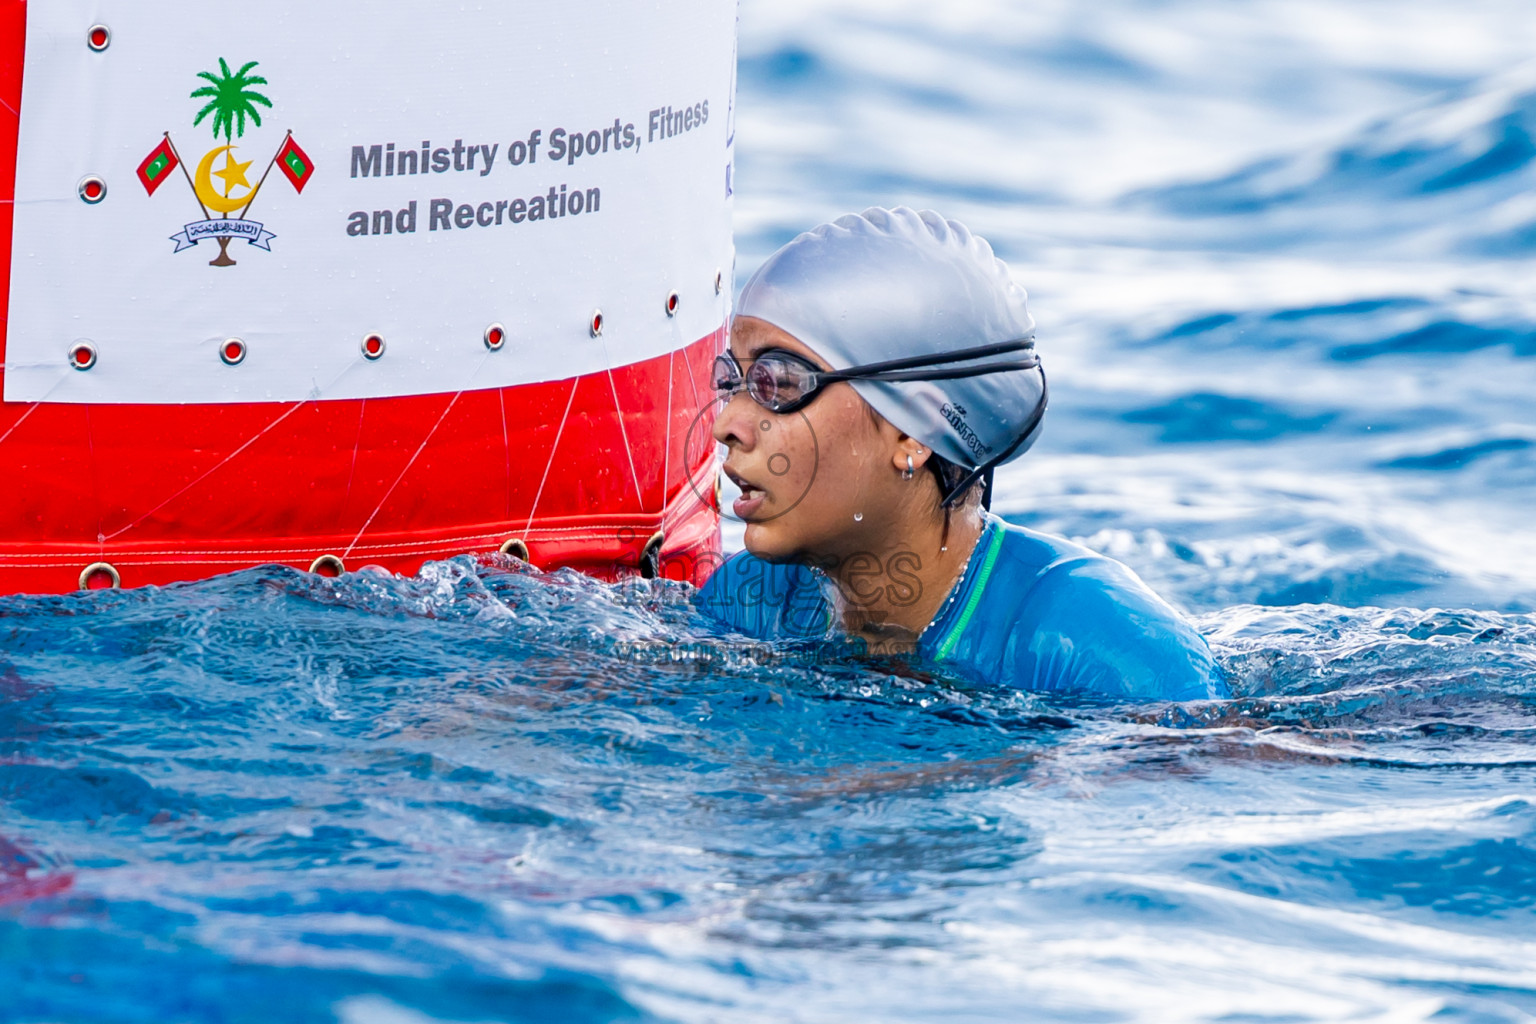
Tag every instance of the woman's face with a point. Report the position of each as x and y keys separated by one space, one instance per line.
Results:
x=819 y=483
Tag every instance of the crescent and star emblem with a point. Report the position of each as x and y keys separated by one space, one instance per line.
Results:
x=233 y=173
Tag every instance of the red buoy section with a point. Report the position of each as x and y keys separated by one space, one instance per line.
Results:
x=579 y=472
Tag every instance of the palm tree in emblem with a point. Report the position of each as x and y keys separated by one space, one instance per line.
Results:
x=232 y=102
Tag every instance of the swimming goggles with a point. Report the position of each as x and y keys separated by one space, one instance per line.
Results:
x=782 y=382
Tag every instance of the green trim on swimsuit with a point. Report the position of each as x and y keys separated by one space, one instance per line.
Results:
x=994 y=545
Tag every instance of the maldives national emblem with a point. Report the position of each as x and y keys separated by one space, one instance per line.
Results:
x=232 y=101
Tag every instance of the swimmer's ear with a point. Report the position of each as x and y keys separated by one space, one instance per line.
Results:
x=905 y=446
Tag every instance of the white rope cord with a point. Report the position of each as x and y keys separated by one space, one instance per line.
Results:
x=356 y=444
x=666 y=449
x=19 y=421
x=506 y=446
x=712 y=465
x=90 y=444
x=624 y=434
x=232 y=455
x=33 y=407
x=417 y=454
x=210 y=471
x=694 y=386
x=407 y=468
x=559 y=432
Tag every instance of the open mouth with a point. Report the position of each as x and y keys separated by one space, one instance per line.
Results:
x=752 y=496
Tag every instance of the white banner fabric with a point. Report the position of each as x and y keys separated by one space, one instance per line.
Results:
x=420 y=172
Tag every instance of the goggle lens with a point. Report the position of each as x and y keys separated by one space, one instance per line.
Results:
x=725 y=378
x=777 y=381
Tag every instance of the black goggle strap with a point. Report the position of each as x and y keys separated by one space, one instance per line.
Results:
x=959 y=355
x=986 y=468
x=922 y=368
x=918 y=367
x=956 y=373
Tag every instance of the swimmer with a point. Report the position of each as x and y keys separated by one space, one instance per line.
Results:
x=880 y=367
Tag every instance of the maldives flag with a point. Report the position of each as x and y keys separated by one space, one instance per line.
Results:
x=295 y=163
x=157 y=166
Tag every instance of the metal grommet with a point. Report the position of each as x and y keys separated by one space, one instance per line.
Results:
x=82 y=355
x=92 y=189
x=650 y=556
x=719 y=281
x=495 y=337
x=515 y=547
x=98 y=38
x=596 y=324
x=672 y=303
x=100 y=576
x=373 y=345
x=327 y=565
x=232 y=351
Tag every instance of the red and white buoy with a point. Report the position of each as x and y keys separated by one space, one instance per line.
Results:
x=335 y=285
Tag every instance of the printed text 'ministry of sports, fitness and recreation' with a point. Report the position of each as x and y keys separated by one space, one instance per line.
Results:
x=560 y=146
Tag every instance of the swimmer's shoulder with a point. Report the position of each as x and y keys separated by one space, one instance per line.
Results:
x=766 y=601
x=1046 y=613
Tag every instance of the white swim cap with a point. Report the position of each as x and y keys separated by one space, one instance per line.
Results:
x=894 y=284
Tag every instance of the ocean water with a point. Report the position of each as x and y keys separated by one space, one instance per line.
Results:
x=1280 y=255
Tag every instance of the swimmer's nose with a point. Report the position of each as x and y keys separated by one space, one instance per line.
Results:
x=736 y=426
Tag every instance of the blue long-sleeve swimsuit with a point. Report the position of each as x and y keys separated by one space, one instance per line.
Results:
x=1031 y=611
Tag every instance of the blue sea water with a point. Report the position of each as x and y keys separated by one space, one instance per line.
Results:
x=1280 y=254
